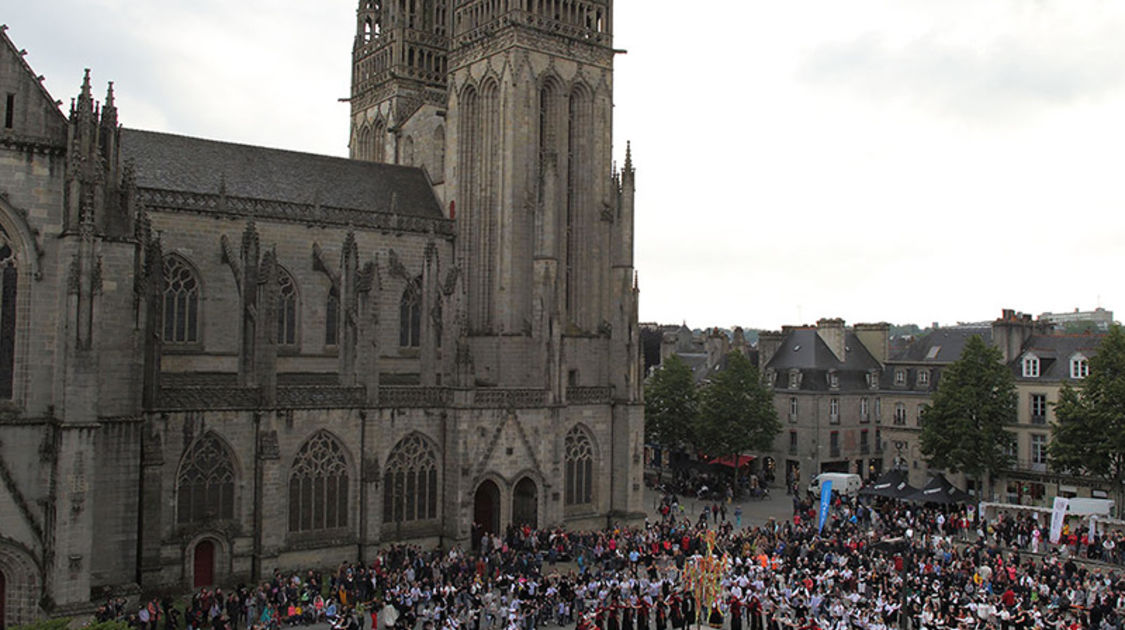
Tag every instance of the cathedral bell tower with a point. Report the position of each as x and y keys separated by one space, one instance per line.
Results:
x=530 y=119
x=399 y=67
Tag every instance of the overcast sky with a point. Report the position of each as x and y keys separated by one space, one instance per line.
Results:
x=903 y=161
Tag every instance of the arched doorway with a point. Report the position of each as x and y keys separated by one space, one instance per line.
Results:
x=204 y=564
x=525 y=504
x=486 y=511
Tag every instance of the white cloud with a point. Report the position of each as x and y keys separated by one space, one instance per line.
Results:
x=902 y=160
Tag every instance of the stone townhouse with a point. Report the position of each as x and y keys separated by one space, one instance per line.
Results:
x=1041 y=359
x=826 y=381
x=217 y=360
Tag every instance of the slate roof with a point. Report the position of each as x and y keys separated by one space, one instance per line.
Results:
x=943 y=345
x=180 y=163
x=1054 y=352
x=804 y=350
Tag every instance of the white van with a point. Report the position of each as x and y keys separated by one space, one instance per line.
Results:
x=842 y=483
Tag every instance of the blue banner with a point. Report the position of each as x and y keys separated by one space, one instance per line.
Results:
x=825 y=504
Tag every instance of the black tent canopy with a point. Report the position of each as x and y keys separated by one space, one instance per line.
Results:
x=891 y=484
x=939 y=490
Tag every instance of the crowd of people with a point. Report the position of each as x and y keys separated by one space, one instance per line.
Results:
x=872 y=567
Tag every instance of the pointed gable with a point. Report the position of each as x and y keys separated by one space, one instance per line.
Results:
x=28 y=113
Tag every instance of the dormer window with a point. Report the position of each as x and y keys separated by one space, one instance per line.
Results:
x=1079 y=366
x=900 y=377
x=771 y=376
x=834 y=380
x=794 y=379
x=873 y=379
x=923 y=377
x=1030 y=366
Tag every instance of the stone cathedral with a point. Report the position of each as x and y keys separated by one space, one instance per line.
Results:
x=217 y=360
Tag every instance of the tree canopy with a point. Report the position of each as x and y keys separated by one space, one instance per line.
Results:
x=736 y=411
x=671 y=405
x=965 y=428
x=1088 y=436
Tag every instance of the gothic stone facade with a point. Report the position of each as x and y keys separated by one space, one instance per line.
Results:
x=217 y=360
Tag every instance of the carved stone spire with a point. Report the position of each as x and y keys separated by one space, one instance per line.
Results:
x=85 y=107
x=109 y=110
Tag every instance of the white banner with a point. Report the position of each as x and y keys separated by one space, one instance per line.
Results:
x=1058 y=515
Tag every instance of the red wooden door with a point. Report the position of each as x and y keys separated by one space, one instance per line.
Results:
x=204 y=564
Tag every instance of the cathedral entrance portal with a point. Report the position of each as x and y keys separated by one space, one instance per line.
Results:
x=204 y=566
x=486 y=511
x=525 y=504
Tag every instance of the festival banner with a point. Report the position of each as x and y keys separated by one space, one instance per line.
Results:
x=825 y=503
x=1058 y=516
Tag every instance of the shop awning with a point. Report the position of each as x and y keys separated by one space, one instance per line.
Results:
x=743 y=460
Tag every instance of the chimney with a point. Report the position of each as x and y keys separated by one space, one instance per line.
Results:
x=1010 y=332
x=832 y=332
x=768 y=344
x=876 y=338
x=716 y=345
x=739 y=344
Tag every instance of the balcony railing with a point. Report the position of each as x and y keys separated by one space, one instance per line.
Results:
x=1026 y=465
x=864 y=449
x=833 y=418
x=792 y=449
x=1039 y=418
x=834 y=451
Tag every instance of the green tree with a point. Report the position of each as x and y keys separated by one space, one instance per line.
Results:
x=671 y=405
x=1088 y=437
x=736 y=411
x=965 y=428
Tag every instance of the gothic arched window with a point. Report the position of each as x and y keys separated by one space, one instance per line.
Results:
x=318 y=485
x=332 y=317
x=181 y=302
x=410 y=483
x=410 y=318
x=205 y=484
x=9 y=280
x=286 y=309
x=377 y=153
x=579 y=468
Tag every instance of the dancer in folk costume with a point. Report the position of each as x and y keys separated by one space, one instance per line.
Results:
x=676 y=612
x=661 y=616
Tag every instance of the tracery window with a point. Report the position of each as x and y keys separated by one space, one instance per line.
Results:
x=286 y=309
x=579 y=468
x=410 y=484
x=332 y=317
x=205 y=485
x=318 y=485
x=8 y=283
x=410 y=318
x=181 y=302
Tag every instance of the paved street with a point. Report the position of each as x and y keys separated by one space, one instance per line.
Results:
x=754 y=511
